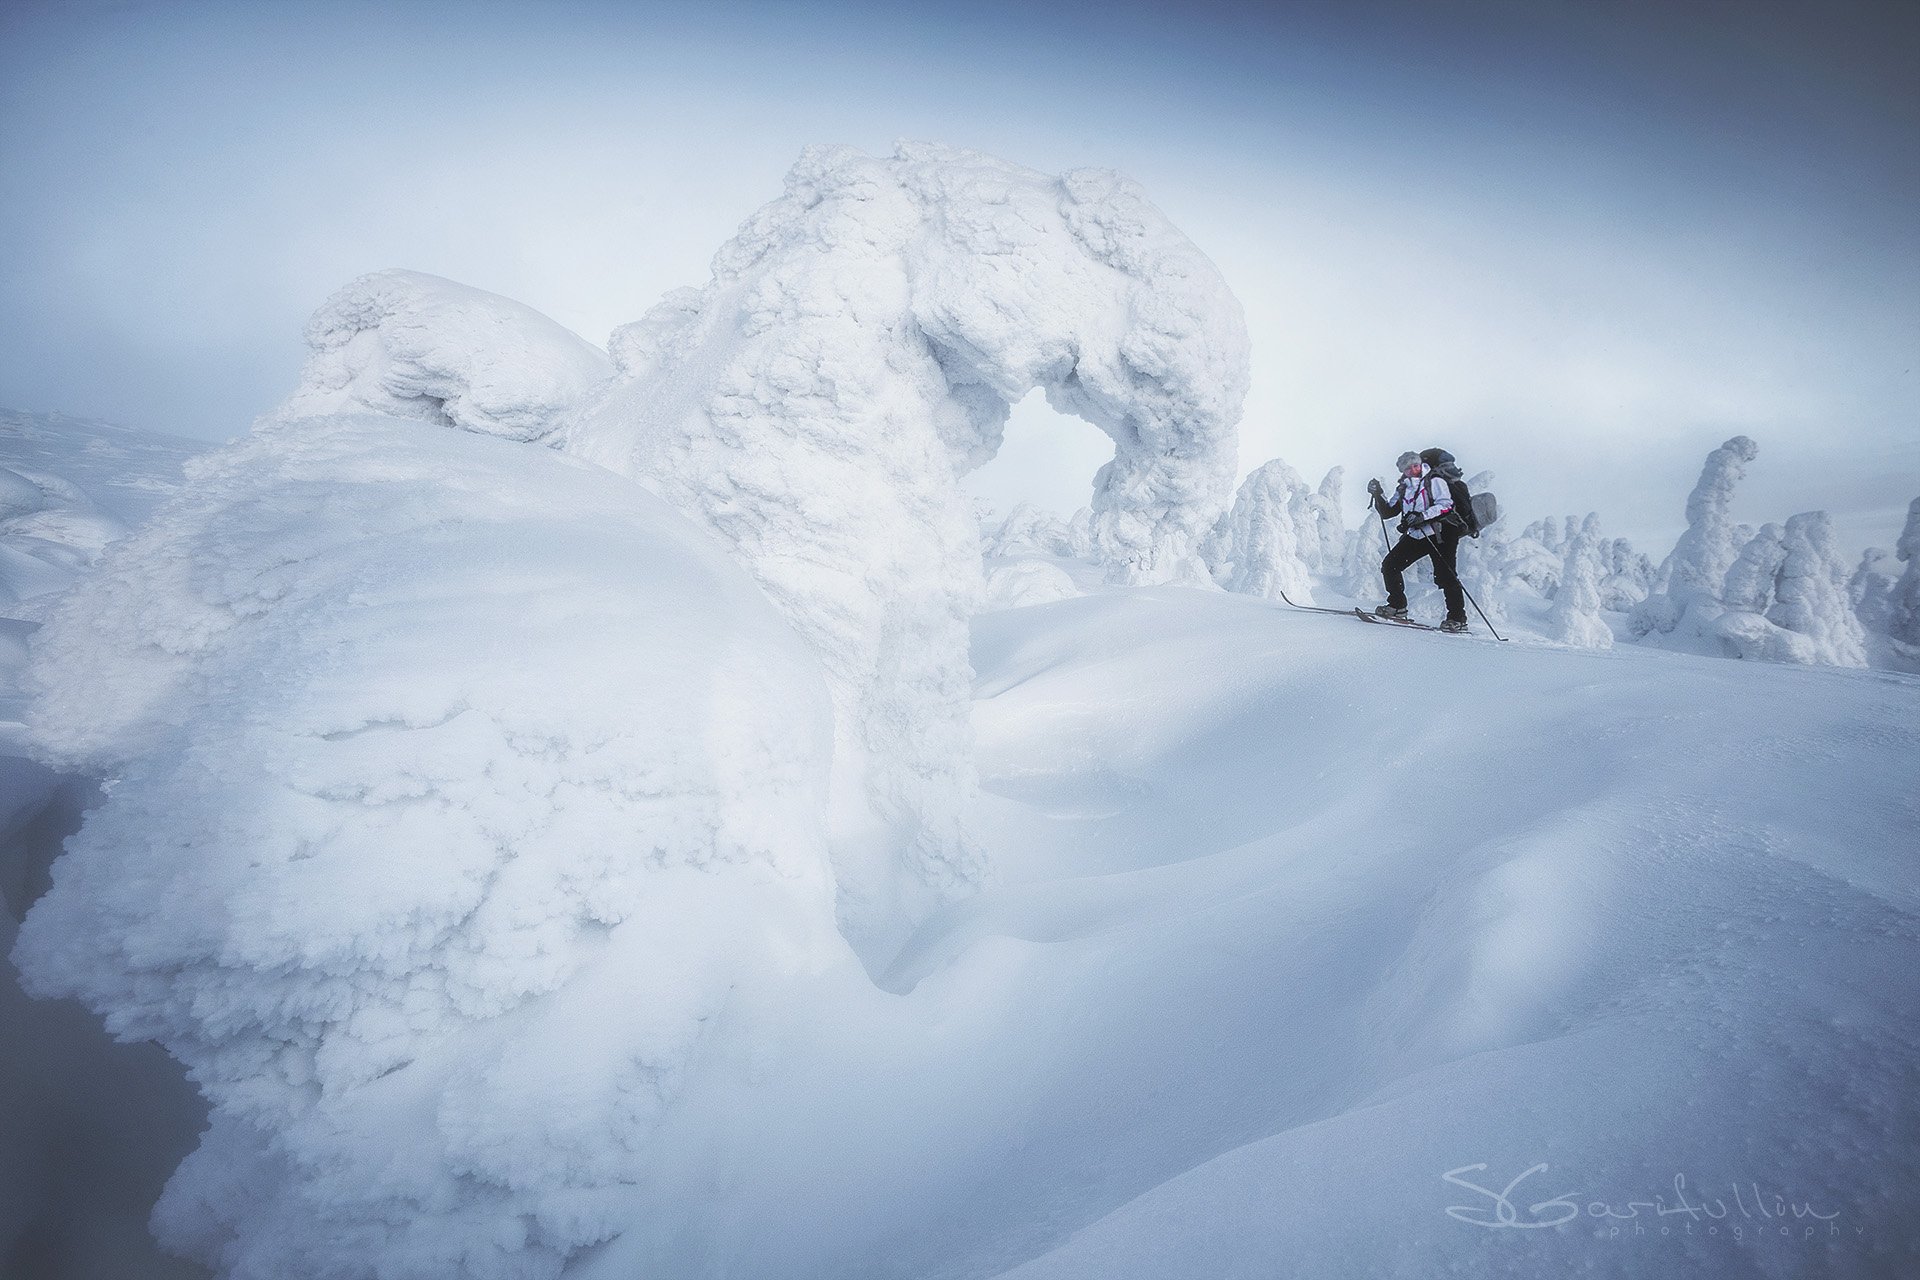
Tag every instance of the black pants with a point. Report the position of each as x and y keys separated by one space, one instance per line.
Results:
x=1442 y=549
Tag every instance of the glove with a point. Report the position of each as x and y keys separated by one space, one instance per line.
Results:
x=1373 y=487
x=1413 y=526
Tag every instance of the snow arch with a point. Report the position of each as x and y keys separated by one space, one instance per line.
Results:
x=856 y=352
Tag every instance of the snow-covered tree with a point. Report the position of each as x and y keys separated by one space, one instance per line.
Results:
x=1812 y=595
x=1329 y=521
x=1257 y=547
x=1903 y=622
x=1693 y=574
x=1080 y=534
x=1786 y=600
x=1548 y=533
x=1755 y=572
x=1629 y=577
x=1575 y=617
x=1870 y=589
x=1360 y=557
x=1029 y=531
x=1529 y=561
x=1478 y=564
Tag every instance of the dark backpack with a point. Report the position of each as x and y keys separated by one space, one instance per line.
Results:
x=1472 y=512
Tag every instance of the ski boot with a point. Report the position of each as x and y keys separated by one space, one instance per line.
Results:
x=1454 y=626
x=1390 y=611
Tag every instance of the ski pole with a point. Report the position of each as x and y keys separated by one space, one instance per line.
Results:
x=1477 y=609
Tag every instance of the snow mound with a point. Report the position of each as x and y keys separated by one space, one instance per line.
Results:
x=450 y=825
x=1019 y=583
x=411 y=345
x=856 y=351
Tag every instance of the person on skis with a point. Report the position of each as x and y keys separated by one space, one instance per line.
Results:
x=1428 y=527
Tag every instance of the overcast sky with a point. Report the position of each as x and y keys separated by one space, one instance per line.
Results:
x=1578 y=245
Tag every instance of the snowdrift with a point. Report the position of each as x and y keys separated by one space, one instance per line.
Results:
x=460 y=791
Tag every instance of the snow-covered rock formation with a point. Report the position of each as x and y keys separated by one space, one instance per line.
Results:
x=464 y=799
x=410 y=345
x=856 y=351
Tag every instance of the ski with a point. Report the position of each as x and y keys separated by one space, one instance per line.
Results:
x=1365 y=616
x=1307 y=608
x=1375 y=618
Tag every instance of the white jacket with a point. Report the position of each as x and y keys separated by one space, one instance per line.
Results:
x=1424 y=497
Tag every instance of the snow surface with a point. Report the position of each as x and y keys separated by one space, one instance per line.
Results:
x=68 y=486
x=1242 y=999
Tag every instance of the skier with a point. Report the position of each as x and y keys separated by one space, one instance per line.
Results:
x=1428 y=527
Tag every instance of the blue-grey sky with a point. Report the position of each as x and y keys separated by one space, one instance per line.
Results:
x=1576 y=244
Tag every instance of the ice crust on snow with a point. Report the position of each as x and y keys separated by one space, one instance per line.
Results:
x=858 y=350
x=429 y=753
x=409 y=345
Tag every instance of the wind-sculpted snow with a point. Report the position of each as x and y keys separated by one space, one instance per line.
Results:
x=460 y=797
x=49 y=532
x=856 y=351
x=411 y=345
